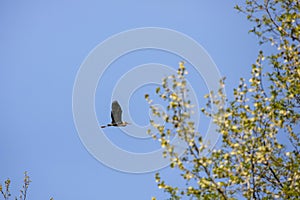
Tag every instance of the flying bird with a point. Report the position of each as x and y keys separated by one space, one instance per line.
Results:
x=116 y=116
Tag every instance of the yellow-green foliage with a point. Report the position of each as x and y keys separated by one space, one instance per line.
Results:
x=251 y=162
x=23 y=192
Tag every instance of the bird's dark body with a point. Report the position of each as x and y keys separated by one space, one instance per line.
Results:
x=116 y=115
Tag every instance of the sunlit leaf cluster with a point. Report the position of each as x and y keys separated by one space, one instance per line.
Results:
x=5 y=191
x=259 y=156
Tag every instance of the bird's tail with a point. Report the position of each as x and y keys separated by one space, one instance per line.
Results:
x=103 y=126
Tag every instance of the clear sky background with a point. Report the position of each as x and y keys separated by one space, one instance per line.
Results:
x=43 y=44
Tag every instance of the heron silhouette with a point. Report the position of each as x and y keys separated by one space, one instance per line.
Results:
x=116 y=116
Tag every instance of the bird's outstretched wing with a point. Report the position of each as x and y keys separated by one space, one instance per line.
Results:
x=116 y=113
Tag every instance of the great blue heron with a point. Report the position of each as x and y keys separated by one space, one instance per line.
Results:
x=116 y=116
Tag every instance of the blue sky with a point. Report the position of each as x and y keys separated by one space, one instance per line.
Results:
x=44 y=43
